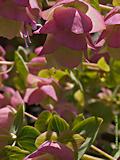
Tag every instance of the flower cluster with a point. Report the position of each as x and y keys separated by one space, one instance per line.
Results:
x=68 y=30
x=68 y=33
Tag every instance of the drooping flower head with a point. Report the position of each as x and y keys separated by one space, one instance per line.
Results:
x=19 y=16
x=112 y=21
x=111 y=36
x=67 y=24
x=9 y=102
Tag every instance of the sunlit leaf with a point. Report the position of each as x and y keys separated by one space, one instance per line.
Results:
x=49 y=135
x=18 y=122
x=27 y=137
x=79 y=97
x=52 y=73
x=103 y=65
x=43 y=121
x=15 y=153
x=21 y=66
x=116 y=3
x=58 y=124
x=89 y=128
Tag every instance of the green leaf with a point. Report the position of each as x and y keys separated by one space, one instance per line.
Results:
x=45 y=73
x=73 y=77
x=116 y=2
x=26 y=138
x=23 y=52
x=112 y=79
x=58 y=74
x=103 y=65
x=89 y=128
x=79 y=97
x=15 y=153
x=44 y=3
x=117 y=153
x=77 y=120
x=42 y=122
x=94 y=3
x=49 y=135
x=21 y=67
x=19 y=83
x=102 y=110
x=58 y=124
x=18 y=122
x=52 y=73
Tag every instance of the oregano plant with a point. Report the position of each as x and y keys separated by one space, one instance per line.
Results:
x=59 y=80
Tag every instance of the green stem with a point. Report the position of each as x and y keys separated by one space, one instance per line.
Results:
x=6 y=63
x=89 y=157
x=31 y=116
x=6 y=71
x=92 y=66
x=9 y=63
x=102 y=153
x=106 y=8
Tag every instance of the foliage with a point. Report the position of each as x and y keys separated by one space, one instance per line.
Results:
x=59 y=79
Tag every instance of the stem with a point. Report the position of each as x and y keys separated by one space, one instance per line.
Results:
x=31 y=116
x=116 y=132
x=102 y=153
x=92 y=66
x=7 y=71
x=6 y=63
x=116 y=90
x=89 y=157
x=105 y=7
x=9 y=63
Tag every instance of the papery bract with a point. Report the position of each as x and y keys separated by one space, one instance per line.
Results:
x=96 y=56
x=51 y=151
x=19 y=15
x=9 y=103
x=6 y=117
x=10 y=97
x=36 y=64
x=111 y=36
x=105 y=94
x=42 y=88
x=66 y=110
x=6 y=120
x=112 y=20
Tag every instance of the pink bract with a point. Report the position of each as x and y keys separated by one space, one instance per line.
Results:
x=41 y=88
x=10 y=97
x=56 y=149
x=112 y=32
